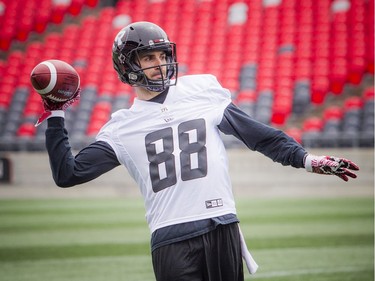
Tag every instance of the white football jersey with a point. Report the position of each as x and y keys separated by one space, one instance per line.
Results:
x=174 y=152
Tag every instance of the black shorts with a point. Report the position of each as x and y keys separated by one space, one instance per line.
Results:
x=214 y=256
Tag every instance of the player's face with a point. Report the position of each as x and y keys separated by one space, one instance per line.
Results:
x=152 y=61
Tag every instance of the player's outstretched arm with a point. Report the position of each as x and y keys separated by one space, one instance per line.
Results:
x=330 y=165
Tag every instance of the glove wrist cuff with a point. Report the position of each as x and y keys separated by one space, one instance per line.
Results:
x=57 y=113
x=308 y=162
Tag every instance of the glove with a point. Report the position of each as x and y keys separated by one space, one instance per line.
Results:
x=329 y=165
x=50 y=105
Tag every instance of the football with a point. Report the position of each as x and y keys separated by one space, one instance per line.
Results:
x=55 y=80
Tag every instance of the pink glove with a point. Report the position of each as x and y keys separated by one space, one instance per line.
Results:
x=50 y=105
x=330 y=165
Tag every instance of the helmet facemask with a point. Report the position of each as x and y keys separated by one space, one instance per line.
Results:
x=136 y=75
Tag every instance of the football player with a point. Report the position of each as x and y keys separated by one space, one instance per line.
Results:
x=169 y=141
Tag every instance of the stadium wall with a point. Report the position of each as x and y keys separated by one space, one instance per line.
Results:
x=252 y=175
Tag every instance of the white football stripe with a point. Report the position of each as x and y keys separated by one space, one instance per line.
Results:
x=52 y=82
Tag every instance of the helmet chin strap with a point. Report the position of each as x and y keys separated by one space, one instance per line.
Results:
x=157 y=86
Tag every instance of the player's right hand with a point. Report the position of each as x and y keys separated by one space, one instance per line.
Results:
x=330 y=165
x=50 y=105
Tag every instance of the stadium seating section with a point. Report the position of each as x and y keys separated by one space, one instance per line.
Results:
x=302 y=66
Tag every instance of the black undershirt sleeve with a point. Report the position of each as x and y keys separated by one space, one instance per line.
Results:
x=68 y=170
x=260 y=137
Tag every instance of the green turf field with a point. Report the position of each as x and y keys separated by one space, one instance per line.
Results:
x=108 y=239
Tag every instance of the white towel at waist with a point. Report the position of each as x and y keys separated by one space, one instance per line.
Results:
x=252 y=266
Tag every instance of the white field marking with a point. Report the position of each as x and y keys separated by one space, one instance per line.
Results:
x=52 y=82
x=80 y=260
x=260 y=275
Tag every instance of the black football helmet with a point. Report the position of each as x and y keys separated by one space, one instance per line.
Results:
x=140 y=37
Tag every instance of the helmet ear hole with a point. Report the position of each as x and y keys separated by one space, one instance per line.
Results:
x=133 y=77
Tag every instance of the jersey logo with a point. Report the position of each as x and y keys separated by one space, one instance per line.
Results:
x=167 y=115
x=214 y=203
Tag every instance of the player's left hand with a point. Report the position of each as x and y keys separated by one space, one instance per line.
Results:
x=330 y=165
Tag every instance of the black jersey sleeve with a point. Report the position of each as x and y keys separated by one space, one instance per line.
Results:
x=260 y=137
x=68 y=170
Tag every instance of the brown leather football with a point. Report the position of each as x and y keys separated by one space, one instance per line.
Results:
x=55 y=80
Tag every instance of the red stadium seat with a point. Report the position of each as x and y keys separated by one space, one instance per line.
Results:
x=333 y=112
x=353 y=103
x=369 y=39
x=312 y=124
x=6 y=36
x=247 y=95
x=26 y=130
x=75 y=7
x=91 y=3
x=319 y=90
x=295 y=133
x=281 y=110
x=100 y=115
x=6 y=91
x=368 y=93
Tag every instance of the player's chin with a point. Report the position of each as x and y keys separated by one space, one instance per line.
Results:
x=157 y=77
